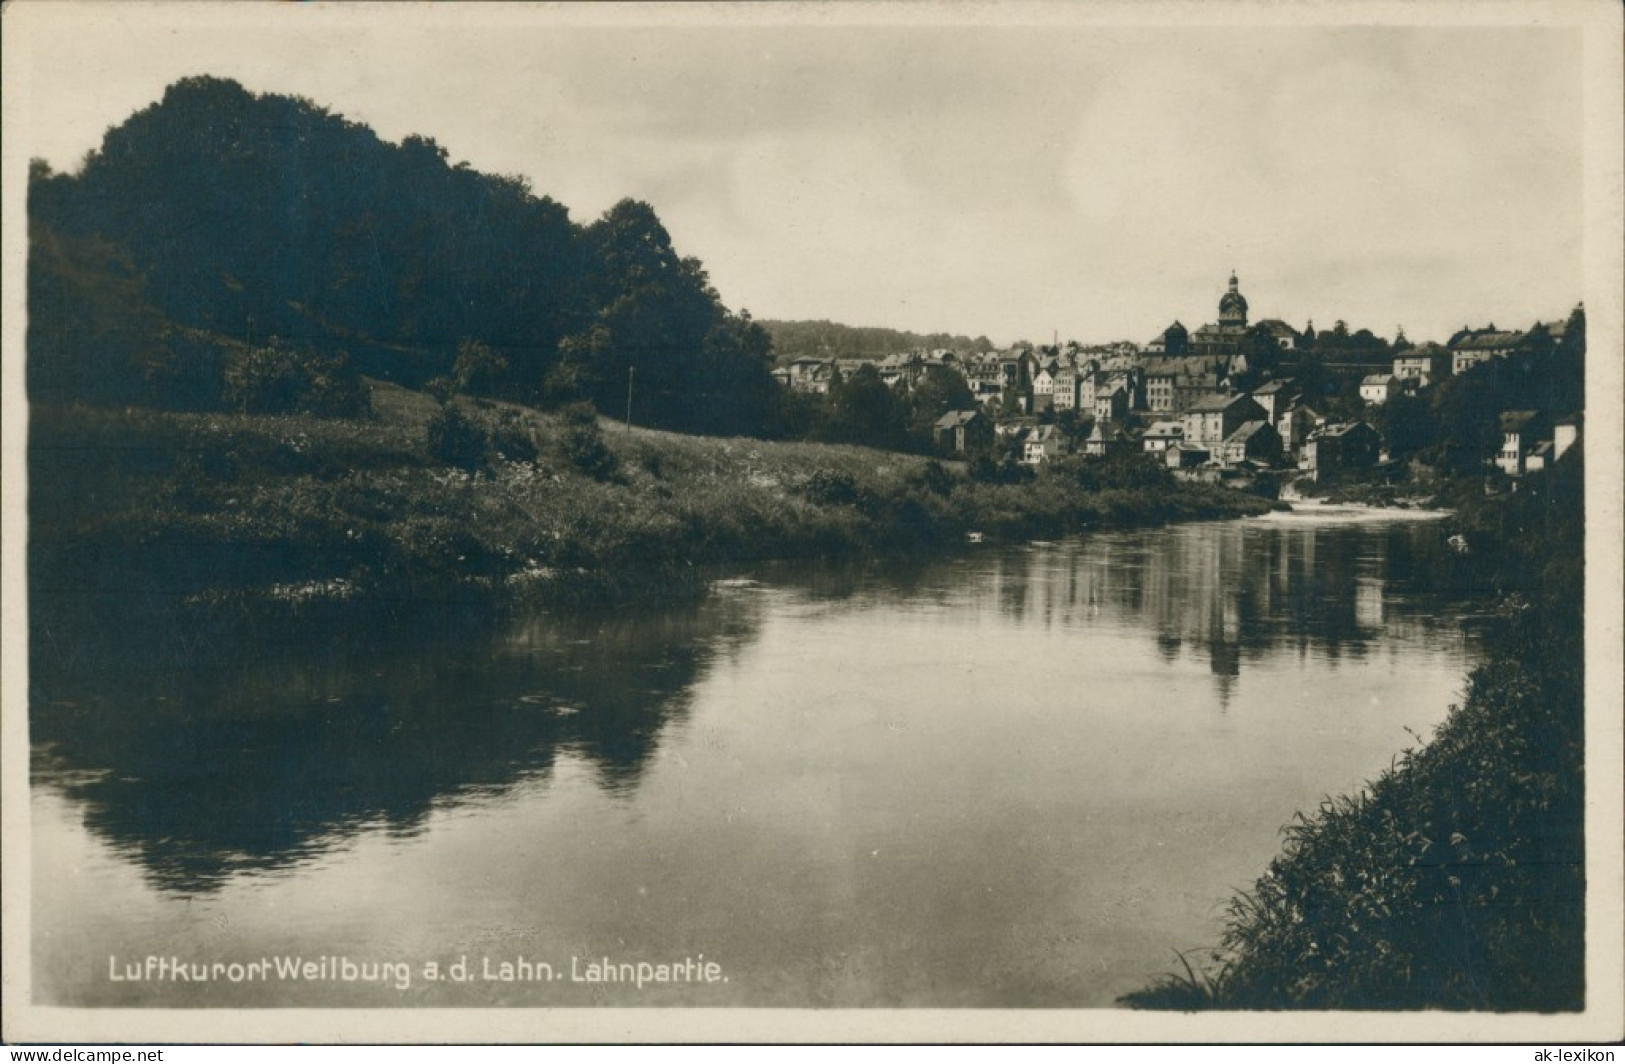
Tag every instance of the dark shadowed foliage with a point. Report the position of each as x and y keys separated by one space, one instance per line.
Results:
x=231 y=217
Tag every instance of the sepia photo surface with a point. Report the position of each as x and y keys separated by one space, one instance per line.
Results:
x=1003 y=522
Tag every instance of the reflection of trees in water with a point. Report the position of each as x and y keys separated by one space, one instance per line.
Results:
x=199 y=775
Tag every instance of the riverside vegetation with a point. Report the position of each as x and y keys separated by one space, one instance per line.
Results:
x=429 y=502
x=1456 y=879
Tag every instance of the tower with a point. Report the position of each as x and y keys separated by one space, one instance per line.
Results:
x=1233 y=307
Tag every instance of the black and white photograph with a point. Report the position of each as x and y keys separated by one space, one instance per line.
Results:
x=990 y=522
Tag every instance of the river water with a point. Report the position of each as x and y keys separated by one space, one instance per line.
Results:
x=1018 y=777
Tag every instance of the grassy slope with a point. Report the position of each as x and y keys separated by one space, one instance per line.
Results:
x=303 y=509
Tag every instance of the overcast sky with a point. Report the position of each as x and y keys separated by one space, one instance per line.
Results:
x=1098 y=181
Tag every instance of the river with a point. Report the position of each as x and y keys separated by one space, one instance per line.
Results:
x=1016 y=777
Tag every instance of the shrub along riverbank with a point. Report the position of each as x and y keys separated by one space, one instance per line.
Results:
x=1455 y=879
x=423 y=501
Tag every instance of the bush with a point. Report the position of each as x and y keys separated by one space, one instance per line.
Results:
x=277 y=379
x=581 y=443
x=828 y=487
x=935 y=478
x=513 y=440
x=1117 y=471
x=456 y=440
x=442 y=388
x=479 y=370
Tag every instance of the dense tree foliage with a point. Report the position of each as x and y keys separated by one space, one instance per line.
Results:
x=1462 y=422
x=937 y=392
x=863 y=409
x=225 y=214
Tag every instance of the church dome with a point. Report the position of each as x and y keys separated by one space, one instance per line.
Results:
x=1233 y=305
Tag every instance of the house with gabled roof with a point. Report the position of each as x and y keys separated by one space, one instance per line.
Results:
x=1424 y=364
x=1521 y=430
x=1162 y=435
x=959 y=431
x=1111 y=404
x=1378 y=388
x=1106 y=439
x=1255 y=441
x=1211 y=420
x=1274 y=396
x=1044 y=444
x=1470 y=347
x=1333 y=448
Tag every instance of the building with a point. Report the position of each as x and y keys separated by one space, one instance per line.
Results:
x=1210 y=421
x=1470 y=347
x=1112 y=404
x=1521 y=430
x=1228 y=335
x=813 y=375
x=1295 y=424
x=1043 y=444
x=1284 y=335
x=1424 y=364
x=959 y=431
x=1106 y=440
x=1254 y=441
x=1044 y=381
x=1174 y=341
x=1378 y=388
x=1065 y=388
x=1161 y=436
x=1171 y=385
x=1185 y=456
x=1565 y=434
x=1274 y=397
x=1331 y=449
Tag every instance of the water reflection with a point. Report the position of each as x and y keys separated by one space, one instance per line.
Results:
x=1241 y=592
x=197 y=776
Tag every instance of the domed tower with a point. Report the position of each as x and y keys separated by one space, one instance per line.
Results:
x=1233 y=306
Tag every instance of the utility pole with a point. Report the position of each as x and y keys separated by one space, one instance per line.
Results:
x=630 y=371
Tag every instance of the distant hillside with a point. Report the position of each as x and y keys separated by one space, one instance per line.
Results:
x=828 y=339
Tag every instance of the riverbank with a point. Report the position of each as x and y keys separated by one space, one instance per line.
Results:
x=472 y=502
x=1456 y=878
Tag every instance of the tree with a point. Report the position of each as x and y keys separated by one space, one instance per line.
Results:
x=1466 y=413
x=937 y=392
x=279 y=379
x=1263 y=355
x=698 y=367
x=1406 y=424
x=1011 y=402
x=479 y=370
x=864 y=410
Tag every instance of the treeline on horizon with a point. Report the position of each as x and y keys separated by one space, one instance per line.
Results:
x=229 y=250
x=829 y=339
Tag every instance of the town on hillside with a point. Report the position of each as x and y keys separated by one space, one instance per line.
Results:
x=1234 y=401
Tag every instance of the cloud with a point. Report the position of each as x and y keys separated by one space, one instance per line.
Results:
x=1012 y=180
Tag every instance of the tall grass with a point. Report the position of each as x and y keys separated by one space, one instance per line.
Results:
x=427 y=500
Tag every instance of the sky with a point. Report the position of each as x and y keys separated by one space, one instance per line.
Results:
x=1015 y=177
